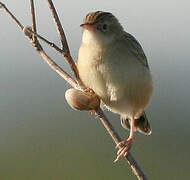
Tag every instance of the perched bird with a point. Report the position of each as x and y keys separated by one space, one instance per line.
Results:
x=112 y=63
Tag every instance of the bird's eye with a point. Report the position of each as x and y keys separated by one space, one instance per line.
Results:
x=102 y=27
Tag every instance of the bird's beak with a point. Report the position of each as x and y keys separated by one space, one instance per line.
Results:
x=87 y=26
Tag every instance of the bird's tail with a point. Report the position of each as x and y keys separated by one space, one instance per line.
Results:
x=141 y=124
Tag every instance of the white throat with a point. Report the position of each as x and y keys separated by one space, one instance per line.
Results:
x=88 y=37
x=94 y=39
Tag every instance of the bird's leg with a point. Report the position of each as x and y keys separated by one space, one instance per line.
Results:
x=125 y=146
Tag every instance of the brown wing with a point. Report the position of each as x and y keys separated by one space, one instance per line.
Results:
x=135 y=47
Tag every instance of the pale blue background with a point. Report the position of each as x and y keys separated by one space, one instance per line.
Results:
x=41 y=137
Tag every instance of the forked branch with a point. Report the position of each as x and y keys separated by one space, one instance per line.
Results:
x=31 y=33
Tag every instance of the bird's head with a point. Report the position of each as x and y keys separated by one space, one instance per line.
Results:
x=100 y=26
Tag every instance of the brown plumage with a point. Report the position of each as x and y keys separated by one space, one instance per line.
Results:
x=94 y=17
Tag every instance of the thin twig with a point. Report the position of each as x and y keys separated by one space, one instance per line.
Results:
x=59 y=27
x=132 y=162
x=65 y=46
x=66 y=55
x=48 y=42
x=34 y=30
x=50 y=62
x=116 y=138
x=33 y=20
x=11 y=15
x=55 y=67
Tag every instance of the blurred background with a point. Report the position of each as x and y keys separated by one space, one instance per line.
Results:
x=41 y=137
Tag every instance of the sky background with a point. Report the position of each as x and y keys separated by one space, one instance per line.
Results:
x=41 y=137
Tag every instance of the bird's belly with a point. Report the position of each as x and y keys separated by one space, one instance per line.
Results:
x=131 y=100
x=92 y=78
x=124 y=90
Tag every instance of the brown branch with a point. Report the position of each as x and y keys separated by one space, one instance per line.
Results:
x=55 y=67
x=132 y=162
x=33 y=20
x=49 y=61
x=65 y=46
x=59 y=27
x=11 y=15
x=65 y=51
x=116 y=138
x=47 y=41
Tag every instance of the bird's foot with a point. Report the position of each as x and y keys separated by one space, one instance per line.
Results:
x=124 y=147
x=92 y=112
x=89 y=90
x=92 y=93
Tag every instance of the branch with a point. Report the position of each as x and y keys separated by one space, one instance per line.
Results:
x=116 y=138
x=65 y=46
x=42 y=53
x=32 y=35
x=11 y=15
x=45 y=40
x=59 y=27
x=48 y=60
x=33 y=20
x=55 y=67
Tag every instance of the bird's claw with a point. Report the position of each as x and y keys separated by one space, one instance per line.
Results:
x=91 y=91
x=124 y=147
x=92 y=112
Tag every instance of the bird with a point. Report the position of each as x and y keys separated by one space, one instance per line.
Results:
x=112 y=63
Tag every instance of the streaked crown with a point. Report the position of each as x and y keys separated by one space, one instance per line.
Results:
x=97 y=16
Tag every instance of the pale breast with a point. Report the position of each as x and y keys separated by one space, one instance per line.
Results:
x=122 y=82
x=88 y=66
